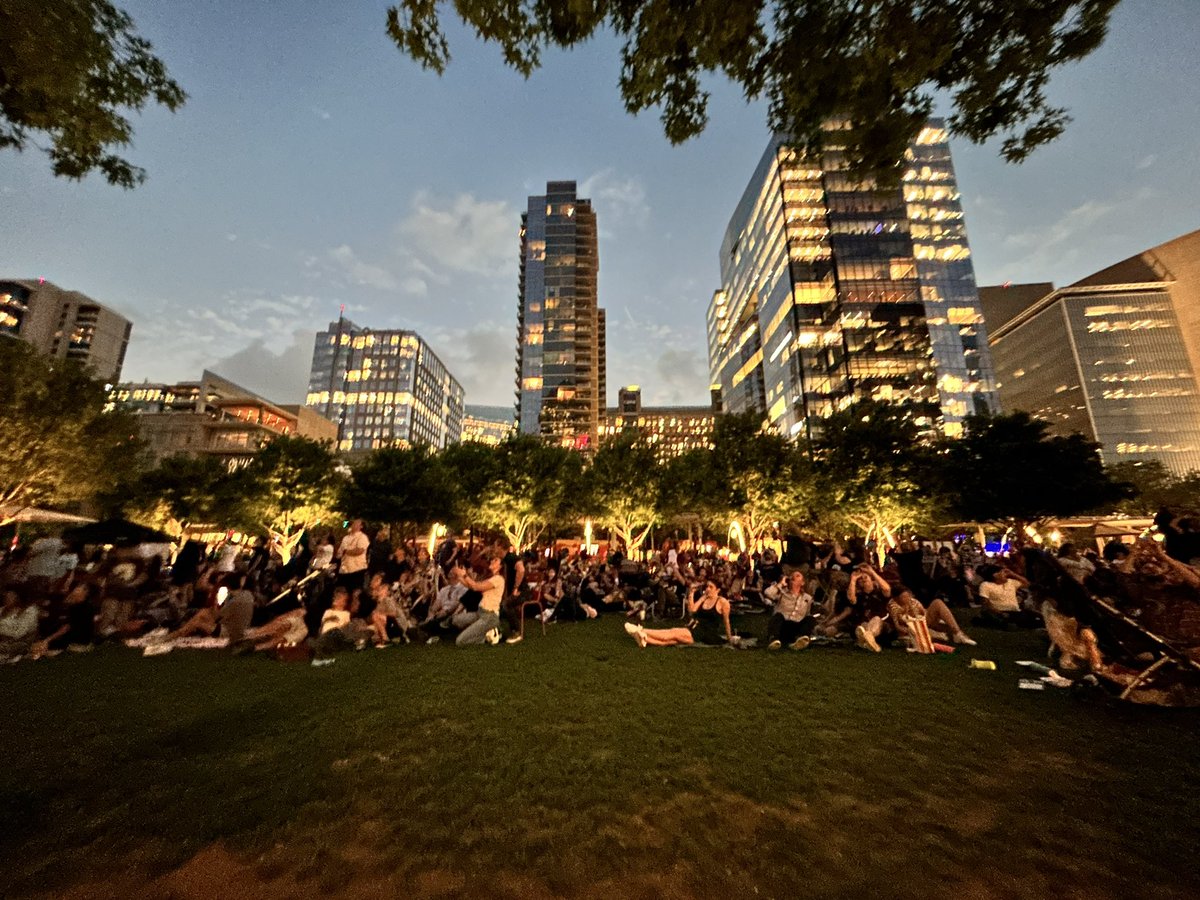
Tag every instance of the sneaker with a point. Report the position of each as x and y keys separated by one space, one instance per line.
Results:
x=632 y=628
x=961 y=638
x=640 y=637
x=515 y=638
x=865 y=639
x=774 y=645
x=493 y=636
x=801 y=642
x=433 y=640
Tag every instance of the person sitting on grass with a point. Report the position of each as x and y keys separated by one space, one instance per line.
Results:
x=486 y=626
x=77 y=628
x=792 y=622
x=1001 y=606
x=448 y=603
x=868 y=594
x=937 y=616
x=18 y=625
x=710 y=616
x=232 y=614
x=386 y=609
x=287 y=629
x=338 y=630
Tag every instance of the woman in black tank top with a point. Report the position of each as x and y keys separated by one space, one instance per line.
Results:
x=710 y=620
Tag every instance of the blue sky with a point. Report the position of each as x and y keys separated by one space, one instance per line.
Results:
x=314 y=165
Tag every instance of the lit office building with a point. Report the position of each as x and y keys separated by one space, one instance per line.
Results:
x=65 y=324
x=833 y=291
x=487 y=425
x=383 y=388
x=1114 y=356
x=213 y=417
x=670 y=430
x=561 y=357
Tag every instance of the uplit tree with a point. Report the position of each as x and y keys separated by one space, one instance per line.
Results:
x=405 y=486
x=57 y=445
x=70 y=70
x=874 y=472
x=758 y=478
x=1153 y=486
x=875 y=64
x=290 y=485
x=622 y=488
x=182 y=491
x=534 y=486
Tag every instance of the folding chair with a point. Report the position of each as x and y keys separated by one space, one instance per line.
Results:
x=535 y=599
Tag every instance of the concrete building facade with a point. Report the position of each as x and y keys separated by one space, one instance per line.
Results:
x=65 y=324
x=213 y=417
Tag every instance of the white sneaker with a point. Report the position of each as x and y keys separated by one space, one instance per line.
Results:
x=961 y=638
x=774 y=645
x=631 y=628
x=865 y=639
x=493 y=636
x=515 y=638
x=801 y=642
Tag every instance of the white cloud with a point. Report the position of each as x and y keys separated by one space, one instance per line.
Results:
x=463 y=235
x=1146 y=162
x=360 y=272
x=482 y=358
x=617 y=200
x=321 y=114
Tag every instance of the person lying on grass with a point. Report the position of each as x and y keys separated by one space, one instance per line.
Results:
x=937 y=616
x=289 y=628
x=710 y=616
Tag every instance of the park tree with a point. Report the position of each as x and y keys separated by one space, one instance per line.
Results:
x=1010 y=469
x=57 y=444
x=536 y=485
x=1152 y=486
x=182 y=491
x=290 y=485
x=70 y=72
x=873 y=470
x=400 y=486
x=687 y=496
x=758 y=477
x=623 y=488
x=874 y=64
x=471 y=467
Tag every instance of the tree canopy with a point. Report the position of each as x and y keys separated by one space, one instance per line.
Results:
x=57 y=445
x=1009 y=467
x=70 y=70
x=875 y=64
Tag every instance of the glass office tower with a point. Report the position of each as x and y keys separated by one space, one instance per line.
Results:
x=383 y=388
x=560 y=327
x=1114 y=356
x=835 y=290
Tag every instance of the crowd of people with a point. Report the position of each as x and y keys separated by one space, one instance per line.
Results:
x=359 y=590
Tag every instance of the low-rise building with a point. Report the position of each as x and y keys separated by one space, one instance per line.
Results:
x=670 y=430
x=214 y=417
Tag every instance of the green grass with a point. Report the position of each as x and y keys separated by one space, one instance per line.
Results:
x=578 y=765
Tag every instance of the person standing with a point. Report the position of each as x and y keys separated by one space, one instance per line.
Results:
x=352 y=556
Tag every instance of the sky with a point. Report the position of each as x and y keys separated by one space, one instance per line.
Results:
x=314 y=165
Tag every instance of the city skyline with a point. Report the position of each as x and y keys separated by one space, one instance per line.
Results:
x=302 y=175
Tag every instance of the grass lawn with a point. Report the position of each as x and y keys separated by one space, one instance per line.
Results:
x=578 y=765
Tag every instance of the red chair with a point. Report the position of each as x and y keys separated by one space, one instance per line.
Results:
x=535 y=599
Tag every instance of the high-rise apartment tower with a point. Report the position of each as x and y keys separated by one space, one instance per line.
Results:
x=560 y=328
x=834 y=290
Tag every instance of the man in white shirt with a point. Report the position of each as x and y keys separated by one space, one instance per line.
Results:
x=1000 y=603
x=352 y=556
